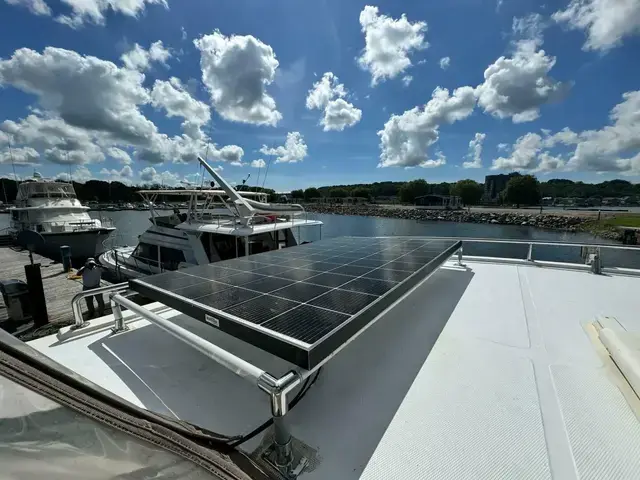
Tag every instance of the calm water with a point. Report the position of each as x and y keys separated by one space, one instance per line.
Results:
x=130 y=224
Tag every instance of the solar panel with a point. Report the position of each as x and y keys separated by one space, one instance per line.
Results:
x=305 y=302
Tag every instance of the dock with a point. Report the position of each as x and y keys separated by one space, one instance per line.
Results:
x=59 y=287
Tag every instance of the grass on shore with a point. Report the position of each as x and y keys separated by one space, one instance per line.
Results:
x=625 y=220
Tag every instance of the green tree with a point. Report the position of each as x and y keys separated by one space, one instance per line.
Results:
x=523 y=190
x=297 y=194
x=311 y=193
x=338 y=193
x=415 y=188
x=363 y=192
x=469 y=191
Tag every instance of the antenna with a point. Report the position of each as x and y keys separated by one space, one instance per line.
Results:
x=267 y=170
x=244 y=182
x=258 y=178
x=245 y=209
x=206 y=154
x=15 y=177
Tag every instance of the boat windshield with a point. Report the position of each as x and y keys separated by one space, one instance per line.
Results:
x=70 y=444
x=45 y=190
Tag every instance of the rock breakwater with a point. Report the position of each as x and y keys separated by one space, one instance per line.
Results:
x=562 y=222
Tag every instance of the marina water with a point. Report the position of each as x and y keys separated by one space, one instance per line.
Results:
x=131 y=223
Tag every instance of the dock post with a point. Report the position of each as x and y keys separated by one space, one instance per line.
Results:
x=36 y=294
x=65 y=253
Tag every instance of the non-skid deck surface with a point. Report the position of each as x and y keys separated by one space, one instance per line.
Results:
x=302 y=303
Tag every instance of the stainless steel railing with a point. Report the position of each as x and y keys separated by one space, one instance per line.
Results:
x=542 y=252
x=76 y=306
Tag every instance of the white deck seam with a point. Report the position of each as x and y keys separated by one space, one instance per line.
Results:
x=559 y=453
x=139 y=378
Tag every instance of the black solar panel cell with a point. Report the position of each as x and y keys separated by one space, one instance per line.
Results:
x=343 y=301
x=330 y=279
x=369 y=285
x=388 y=274
x=352 y=270
x=306 y=323
x=261 y=309
x=301 y=291
x=227 y=298
x=298 y=274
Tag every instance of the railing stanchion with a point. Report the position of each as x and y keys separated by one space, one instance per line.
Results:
x=119 y=325
x=460 y=254
x=530 y=253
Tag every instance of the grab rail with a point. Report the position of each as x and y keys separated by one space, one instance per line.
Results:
x=75 y=302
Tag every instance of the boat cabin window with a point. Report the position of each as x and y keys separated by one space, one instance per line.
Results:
x=223 y=247
x=226 y=247
x=171 y=258
x=45 y=190
x=146 y=252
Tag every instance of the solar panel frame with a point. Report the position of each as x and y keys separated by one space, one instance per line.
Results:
x=303 y=354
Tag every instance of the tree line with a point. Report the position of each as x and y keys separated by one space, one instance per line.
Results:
x=520 y=190
x=524 y=190
x=109 y=192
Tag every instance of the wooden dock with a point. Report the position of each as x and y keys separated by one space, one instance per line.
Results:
x=58 y=287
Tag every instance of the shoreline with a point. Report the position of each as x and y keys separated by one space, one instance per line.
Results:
x=565 y=221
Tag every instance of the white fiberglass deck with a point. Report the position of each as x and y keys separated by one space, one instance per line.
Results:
x=516 y=385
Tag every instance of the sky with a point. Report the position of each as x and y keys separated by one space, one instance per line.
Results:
x=295 y=93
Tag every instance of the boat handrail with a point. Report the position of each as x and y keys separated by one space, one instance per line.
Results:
x=75 y=225
x=75 y=301
x=534 y=242
x=590 y=253
x=277 y=388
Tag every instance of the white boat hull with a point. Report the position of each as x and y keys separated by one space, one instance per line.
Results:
x=83 y=244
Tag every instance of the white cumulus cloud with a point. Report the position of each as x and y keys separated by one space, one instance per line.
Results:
x=517 y=87
x=259 y=163
x=37 y=7
x=294 y=149
x=232 y=154
x=94 y=104
x=59 y=141
x=174 y=98
x=327 y=94
x=445 y=62
x=20 y=156
x=140 y=59
x=80 y=175
x=475 y=151
x=236 y=71
x=406 y=138
x=86 y=92
x=119 y=155
x=93 y=11
x=388 y=43
x=605 y=22
x=125 y=174
x=151 y=175
x=524 y=154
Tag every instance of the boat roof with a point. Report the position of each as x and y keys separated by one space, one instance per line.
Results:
x=488 y=369
x=239 y=230
x=199 y=192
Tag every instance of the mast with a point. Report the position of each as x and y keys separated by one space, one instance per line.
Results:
x=241 y=204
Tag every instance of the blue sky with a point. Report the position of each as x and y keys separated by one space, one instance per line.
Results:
x=357 y=88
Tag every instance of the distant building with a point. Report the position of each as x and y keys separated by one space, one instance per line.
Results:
x=445 y=202
x=495 y=184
